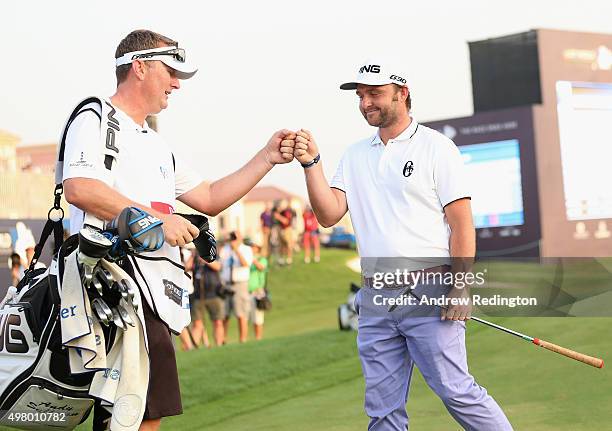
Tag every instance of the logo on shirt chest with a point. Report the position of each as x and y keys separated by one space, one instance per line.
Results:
x=408 y=168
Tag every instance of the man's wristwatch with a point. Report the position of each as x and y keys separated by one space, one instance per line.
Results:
x=312 y=162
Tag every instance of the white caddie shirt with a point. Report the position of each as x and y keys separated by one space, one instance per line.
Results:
x=144 y=171
x=396 y=193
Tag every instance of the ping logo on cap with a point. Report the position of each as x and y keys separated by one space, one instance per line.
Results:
x=371 y=68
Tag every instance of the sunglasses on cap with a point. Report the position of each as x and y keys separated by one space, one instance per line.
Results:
x=151 y=54
x=177 y=53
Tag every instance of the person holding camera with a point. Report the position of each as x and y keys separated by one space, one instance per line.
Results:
x=236 y=259
x=206 y=299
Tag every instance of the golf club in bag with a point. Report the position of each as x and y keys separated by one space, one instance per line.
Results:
x=37 y=388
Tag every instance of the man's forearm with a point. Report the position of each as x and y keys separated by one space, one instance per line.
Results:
x=462 y=249
x=98 y=199
x=322 y=198
x=230 y=189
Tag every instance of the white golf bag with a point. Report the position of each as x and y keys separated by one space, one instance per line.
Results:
x=54 y=351
x=37 y=390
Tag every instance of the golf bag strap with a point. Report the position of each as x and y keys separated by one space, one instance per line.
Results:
x=52 y=225
x=55 y=215
x=59 y=169
x=109 y=150
x=58 y=235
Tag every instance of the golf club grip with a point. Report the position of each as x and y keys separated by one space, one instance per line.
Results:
x=589 y=360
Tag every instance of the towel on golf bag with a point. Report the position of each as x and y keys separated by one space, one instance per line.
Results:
x=164 y=286
x=123 y=379
x=81 y=330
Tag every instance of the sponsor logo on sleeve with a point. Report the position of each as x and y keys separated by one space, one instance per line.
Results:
x=81 y=163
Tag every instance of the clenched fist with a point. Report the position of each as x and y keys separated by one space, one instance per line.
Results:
x=305 y=149
x=280 y=147
x=178 y=230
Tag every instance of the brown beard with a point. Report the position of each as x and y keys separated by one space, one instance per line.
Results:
x=386 y=118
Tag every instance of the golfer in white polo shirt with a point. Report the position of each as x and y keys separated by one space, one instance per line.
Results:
x=407 y=196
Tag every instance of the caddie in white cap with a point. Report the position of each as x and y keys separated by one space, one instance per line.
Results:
x=409 y=201
x=113 y=160
x=172 y=56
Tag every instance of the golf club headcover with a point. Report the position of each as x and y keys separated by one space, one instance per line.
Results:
x=139 y=230
x=92 y=243
x=205 y=243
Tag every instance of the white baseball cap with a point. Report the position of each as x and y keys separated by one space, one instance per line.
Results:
x=376 y=72
x=171 y=56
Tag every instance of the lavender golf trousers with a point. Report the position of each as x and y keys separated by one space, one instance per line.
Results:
x=390 y=345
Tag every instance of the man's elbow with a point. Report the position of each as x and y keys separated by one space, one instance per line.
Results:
x=74 y=194
x=211 y=212
x=327 y=222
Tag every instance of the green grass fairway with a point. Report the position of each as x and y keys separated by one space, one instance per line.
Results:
x=306 y=374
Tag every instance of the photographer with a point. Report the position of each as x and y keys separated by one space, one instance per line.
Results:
x=236 y=259
x=207 y=289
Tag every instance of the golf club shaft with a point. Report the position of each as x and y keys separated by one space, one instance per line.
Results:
x=589 y=360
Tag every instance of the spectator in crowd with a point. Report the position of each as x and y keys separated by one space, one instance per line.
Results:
x=17 y=268
x=23 y=241
x=208 y=286
x=266 y=228
x=197 y=332
x=311 y=235
x=275 y=236
x=186 y=337
x=257 y=284
x=285 y=216
x=236 y=259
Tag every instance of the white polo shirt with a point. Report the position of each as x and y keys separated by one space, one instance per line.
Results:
x=144 y=170
x=396 y=193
